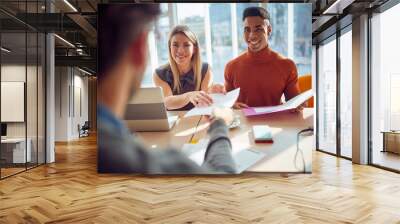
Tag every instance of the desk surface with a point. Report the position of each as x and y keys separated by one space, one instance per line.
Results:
x=281 y=156
x=180 y=134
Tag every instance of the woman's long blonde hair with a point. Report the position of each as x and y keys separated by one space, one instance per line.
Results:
x=195 y=61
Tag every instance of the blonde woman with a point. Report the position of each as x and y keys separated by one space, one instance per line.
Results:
x=185 y=80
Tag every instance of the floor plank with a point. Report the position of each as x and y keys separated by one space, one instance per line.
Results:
x=71 y=191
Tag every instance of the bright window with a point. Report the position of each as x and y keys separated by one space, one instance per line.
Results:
x=385 y=83
x=327 y=97
x=346 y=94
x=193 y=15
x=215 y=25
x=221 y=38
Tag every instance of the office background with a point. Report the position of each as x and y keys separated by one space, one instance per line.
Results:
x=341 y=52
x=27 y=68
x=22 y=79
x=333 y=55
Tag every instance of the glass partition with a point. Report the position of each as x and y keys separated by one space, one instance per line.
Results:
x=31 y=99
x=327 y=96
x=13 y=105
x=385 y=89
x=22 y=91
x=346 y=94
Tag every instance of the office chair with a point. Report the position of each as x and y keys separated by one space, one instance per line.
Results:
x=305 y=83
x=84 y=130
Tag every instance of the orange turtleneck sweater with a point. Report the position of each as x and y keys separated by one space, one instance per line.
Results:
x=263 y=77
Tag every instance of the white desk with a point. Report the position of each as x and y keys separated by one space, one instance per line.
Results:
x=15 y=148
x=180 y=134
x=280 y=156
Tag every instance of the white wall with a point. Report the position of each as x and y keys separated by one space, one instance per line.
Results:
x=13 y=73
x=61 y=103
x=71 y=94
x=16 y=73
x=81 y=84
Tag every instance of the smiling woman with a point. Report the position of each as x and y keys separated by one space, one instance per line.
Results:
x=185 y=80
x=184 y=55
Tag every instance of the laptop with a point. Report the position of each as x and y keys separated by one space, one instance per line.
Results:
x=146 y=111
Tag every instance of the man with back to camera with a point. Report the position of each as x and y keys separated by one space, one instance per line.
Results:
x=262 y=74
x=123 y=32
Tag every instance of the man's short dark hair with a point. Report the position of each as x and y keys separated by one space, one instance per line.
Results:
x=118 y=27
x=256 y=11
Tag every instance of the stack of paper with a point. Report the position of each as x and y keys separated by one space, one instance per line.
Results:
x=243 y=157
x=219 y=100
x=291 y=104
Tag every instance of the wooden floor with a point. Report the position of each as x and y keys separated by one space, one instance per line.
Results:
x=5 y=172
x=10 y=171
x=71 y=191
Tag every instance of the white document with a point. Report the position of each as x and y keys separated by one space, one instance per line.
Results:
x=196 y=152
x=291 y=104
x=219 y=100
x=243 y=157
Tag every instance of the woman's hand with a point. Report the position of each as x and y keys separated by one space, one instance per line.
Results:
x=239 y=105
x=199 y=98
x=223 y=113
x=217 y=88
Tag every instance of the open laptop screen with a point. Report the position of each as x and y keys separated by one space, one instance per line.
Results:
x=147 y=112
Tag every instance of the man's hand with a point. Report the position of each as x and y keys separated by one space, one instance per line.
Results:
x=239 y=105
x=199 y=98
x=297 y=109
x=217 y=88
x=223 y=113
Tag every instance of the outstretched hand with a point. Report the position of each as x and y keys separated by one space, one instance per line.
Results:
x=225 y=114
x=239 y=105
x=199 y=98
x=217 y=88
x=297 y=109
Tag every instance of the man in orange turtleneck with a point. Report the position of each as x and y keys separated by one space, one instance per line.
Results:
x=262 y=74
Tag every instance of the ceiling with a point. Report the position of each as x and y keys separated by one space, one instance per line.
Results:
x=76 y=24
x=75 y=21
